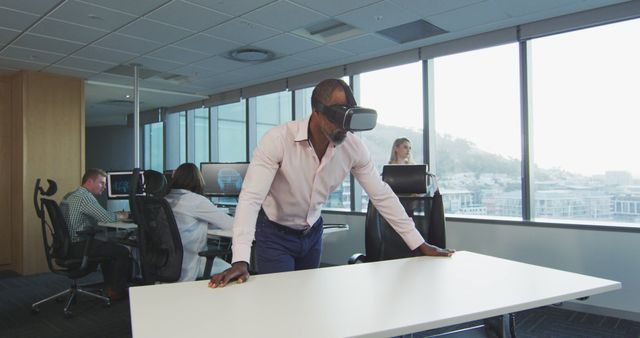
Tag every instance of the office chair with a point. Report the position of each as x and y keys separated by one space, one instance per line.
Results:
x=409 y=182
x=159 y=240
x=413 y=184
x=57 y=240
x=134 y=183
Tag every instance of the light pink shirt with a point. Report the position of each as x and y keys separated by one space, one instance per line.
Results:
x=290 y=183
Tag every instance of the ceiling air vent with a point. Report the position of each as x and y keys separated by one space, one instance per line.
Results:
x=328 y=31
x=416 y=30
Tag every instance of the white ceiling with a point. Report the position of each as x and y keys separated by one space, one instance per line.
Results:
x=186 y=43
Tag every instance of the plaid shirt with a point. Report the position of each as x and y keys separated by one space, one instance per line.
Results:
x=81 y=210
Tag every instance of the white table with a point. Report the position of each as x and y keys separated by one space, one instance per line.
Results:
x=229 y=233
x=367 y=300
x=119 y=225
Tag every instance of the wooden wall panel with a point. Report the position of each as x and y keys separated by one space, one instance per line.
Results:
x=6 y=231
x=53 y=148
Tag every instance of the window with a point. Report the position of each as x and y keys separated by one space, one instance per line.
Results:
x=231 y=132
x=396 y=94
x=176 y=139
x=477 y=123
x=272 y=110
x=199 y=138
x=585 y=113
x=153 y=146
x=303 y=102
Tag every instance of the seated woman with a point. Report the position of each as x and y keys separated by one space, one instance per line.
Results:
x=401 y=152
x=194 y=215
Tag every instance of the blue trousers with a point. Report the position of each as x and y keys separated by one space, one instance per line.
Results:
x=279 y=248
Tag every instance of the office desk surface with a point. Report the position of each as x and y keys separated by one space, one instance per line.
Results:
x=371 y=300
x=119 y=225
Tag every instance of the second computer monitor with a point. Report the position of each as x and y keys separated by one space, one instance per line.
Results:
x=223 y=179
x=118 y=184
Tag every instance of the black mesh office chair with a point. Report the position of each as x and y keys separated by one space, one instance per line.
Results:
x=158 y=236
x=57 y=240
x=409 y=182
x=413 y=186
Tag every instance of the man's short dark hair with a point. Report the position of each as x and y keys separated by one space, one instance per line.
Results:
x=323 y=91
x=92 y=174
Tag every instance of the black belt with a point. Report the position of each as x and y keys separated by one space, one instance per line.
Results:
x=291 y=231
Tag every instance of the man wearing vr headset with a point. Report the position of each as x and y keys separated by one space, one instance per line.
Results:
x=294 y=169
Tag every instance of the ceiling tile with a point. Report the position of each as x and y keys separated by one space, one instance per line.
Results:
x=232 y=7
x=523 y=7
x=104 y=54
x=16 y=20
x=20 y=64
x=364 y=44
x=378 y=16
x=7 y=35
x=466 y=17
x=113 y=78
x=208 y=44
x=30 y=55
x=287 y=63
x=220 y=64
x=286 y=44
x=136 y=7
x=435 y=6
x=285 y=16
x=35 y=7
x=67 y=31
x=47 y=44
x=85 y=64
x=335 y=7
x=83 y=74
x=127 y=43
x=154 y=31
x=91 y=16
x=242 y=31
x=194 y=72
x=7 y=70
x=157 y=64
x=198 y=17
x=179 y=55
x=323 y=54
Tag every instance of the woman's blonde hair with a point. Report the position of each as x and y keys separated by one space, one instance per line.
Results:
x=397 y=143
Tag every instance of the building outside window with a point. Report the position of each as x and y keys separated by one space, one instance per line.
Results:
x=154 y=146
x=231 y=132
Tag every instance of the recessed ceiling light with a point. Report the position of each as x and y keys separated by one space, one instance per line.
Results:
x=127 y=96
x=251 y=55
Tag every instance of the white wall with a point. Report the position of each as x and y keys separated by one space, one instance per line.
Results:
x=606 y=254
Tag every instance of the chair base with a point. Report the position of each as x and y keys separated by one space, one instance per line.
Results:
x=73 y=291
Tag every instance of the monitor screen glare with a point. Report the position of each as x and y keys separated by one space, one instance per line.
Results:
x=223 y=179
x=118 y=184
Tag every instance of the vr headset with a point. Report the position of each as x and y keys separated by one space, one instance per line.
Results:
x=350 y=117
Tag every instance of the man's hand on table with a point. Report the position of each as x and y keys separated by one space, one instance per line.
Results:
x=432 y=250
x=238 y=271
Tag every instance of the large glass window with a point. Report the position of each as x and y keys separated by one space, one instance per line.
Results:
x=176 y=139
x=231 y=132
x=477 y=123
x=272 y=110
x=200 y=135
x=396 y=94
x=154 y=146
x=585 y=120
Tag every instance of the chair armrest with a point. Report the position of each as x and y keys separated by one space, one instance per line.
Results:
x=357 y=257
x=87 y=233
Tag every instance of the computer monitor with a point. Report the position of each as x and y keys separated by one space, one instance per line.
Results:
x=118 y=184
x=223 y=179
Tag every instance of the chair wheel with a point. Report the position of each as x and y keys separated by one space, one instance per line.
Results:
x=35 y=310
x=106 y=304
x=68 y=314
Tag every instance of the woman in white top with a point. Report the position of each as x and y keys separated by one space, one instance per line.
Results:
x=401 y=152
x=194 y=215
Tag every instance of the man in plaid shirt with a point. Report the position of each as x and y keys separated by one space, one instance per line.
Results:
x=81 y=210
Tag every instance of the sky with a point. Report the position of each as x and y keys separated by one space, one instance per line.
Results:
x=585 y=103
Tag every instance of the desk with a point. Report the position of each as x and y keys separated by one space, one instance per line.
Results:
x=119 y=225
x=378 y=299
